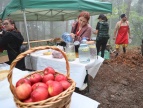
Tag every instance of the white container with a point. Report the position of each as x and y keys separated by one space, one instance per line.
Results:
x=84 y=52
x=70 y=51
x=92 y=48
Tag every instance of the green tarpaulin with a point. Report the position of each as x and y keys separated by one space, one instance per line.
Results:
x=53 y=10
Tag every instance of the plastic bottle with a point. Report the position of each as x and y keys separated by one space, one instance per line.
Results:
x=92 y=48
x=84 y=54
x=67 y=37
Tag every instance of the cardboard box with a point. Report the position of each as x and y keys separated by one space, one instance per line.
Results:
x=4 y=57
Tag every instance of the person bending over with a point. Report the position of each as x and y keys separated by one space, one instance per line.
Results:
x=81 y=29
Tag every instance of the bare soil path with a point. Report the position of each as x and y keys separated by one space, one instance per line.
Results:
x=119 y=82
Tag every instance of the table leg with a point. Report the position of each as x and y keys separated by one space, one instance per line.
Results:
x=87 y=80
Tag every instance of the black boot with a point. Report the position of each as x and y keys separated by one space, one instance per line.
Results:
x=124 y=49
x=116 y=55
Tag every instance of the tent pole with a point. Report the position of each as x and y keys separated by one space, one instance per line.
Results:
x=25 y=22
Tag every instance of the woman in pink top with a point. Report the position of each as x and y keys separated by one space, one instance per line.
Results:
x=81 y=29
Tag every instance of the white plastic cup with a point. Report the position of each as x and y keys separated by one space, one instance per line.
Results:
x=130 y=41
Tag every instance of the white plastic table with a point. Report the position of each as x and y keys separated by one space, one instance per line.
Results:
x=38 y=61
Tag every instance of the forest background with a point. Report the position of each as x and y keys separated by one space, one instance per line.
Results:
x=40 y=30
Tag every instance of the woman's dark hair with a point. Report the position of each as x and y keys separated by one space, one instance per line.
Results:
x=100 y=16
x=12 y=22
x=123 y=15
x=104 y=18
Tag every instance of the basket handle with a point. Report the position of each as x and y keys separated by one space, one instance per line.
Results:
x=22 y=55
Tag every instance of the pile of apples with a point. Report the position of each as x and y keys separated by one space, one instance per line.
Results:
x=39 y=86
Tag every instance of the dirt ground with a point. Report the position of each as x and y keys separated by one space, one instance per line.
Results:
x=119 y=81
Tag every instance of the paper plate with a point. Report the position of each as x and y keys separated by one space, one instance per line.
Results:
x=130 y=41
x=3 y=74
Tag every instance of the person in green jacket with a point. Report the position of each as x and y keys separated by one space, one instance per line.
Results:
x=102 y=31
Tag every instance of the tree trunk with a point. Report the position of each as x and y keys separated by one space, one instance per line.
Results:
x=119 y=10
x=140 y=8
x=128 y=2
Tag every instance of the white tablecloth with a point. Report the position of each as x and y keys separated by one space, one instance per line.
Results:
x=38 y=61
x=6 y=98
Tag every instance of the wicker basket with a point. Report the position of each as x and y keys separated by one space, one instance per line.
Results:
x=60 y=101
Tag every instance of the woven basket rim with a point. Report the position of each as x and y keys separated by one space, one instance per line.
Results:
x=50 y=101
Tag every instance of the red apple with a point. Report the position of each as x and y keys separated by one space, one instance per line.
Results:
x=39 y=94
x=49 y=70
x=21 y=81
x=49 y=82
x=28 y=100
x=35 y=78
x=60 y=77
x=55 y=88
x=48 y=77
x=23 y=91
x=42 y=76
x=39 y=84
x=65 y=84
